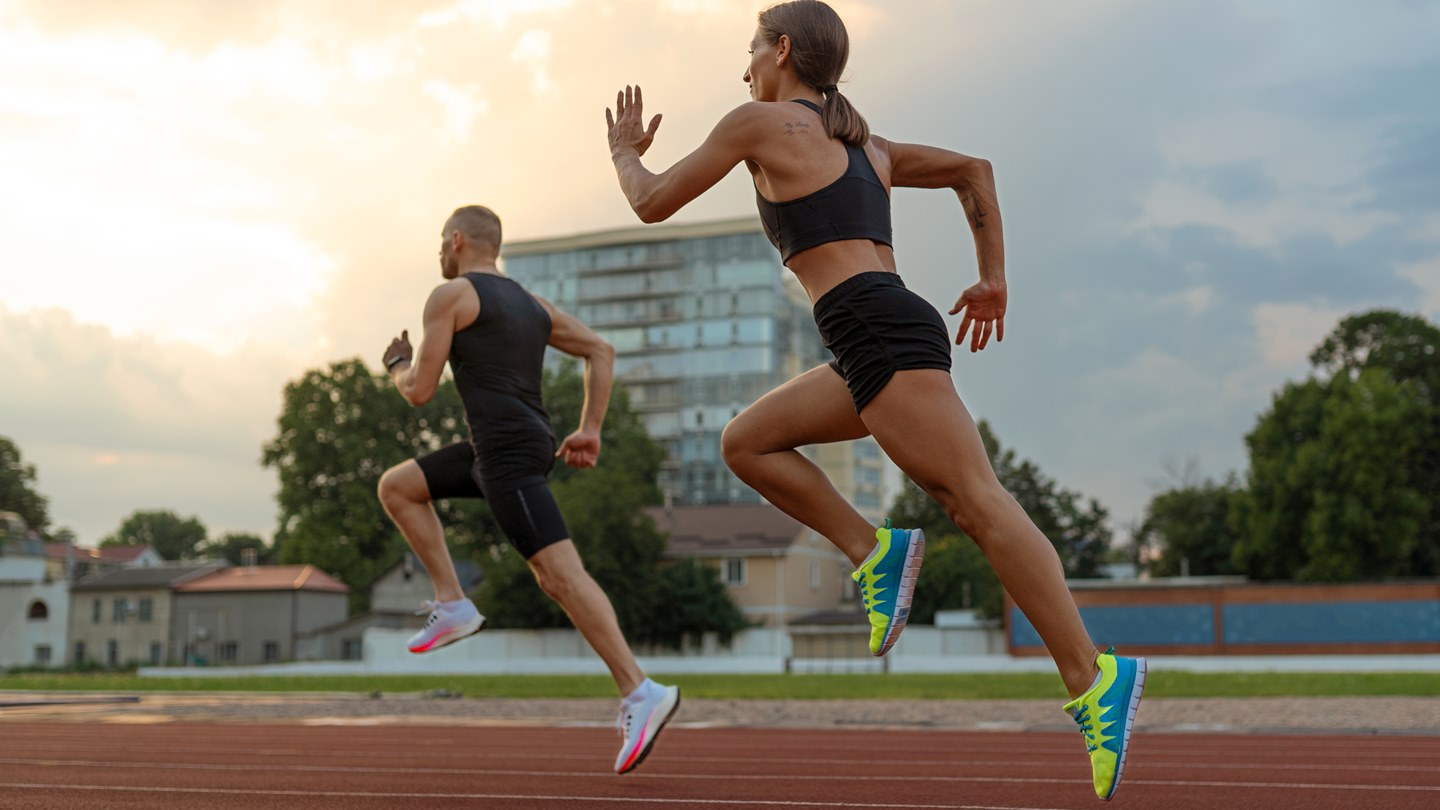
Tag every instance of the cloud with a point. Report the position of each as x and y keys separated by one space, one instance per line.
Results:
x=462 y=106
x=106 y=417
x=1287 y=333
x=237 y=192
x=493 y=13
x=1426 y=277
x=532 y=49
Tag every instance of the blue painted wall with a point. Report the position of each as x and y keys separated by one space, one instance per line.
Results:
x=1332 y=623
x=1132 y=624
x=1305 y=623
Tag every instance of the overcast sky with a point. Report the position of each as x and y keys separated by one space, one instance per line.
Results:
x=200 y=200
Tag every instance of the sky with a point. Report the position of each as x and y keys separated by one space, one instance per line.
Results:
x=200 y=201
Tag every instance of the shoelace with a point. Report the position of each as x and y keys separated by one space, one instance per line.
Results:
x=1082 y=719
x=429 y=606
x=865 y=590
x=622 y=722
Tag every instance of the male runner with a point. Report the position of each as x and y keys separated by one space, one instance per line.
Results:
x=494 y=335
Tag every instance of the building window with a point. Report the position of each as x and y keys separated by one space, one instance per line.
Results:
x=117 y=611
x=157 y=653
x=867 y=500
x=112 y=653
x=814 y=575
x=42 y=655
x=229 y=651
x=79 y=653
x=38 y=611
x=733 y=571
x=272 y=651
x=95 y=612
x=147 y=609
x=351 y=649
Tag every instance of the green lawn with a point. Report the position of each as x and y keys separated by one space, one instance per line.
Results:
x=790 y=687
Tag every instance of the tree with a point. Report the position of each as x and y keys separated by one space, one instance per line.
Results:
x=1343 y=470
x=339 y=429
x=232 y=546
x=342 y=427
x=17 y=488
x=693 y=601
x=1406 y=348
x=1076 y=528
x=1190 y=526
x=172 y=537
x=957 y=575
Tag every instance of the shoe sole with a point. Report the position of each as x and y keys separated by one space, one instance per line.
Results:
x=460 y=633
x=914 y=556
x=645 y=751
x=1136 y=690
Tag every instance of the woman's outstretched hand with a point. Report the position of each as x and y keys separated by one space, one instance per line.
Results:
x=984 y=306
x=627 y=124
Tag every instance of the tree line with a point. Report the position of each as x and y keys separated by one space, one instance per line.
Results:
x=1344 y=469
x=1344 y=474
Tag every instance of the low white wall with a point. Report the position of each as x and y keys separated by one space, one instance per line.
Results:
x=522 y=652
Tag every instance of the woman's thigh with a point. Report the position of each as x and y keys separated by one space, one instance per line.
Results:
x=813 y=408
x=921 y=424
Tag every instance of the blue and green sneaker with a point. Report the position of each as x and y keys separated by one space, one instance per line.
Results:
x=1106 y=716
x=887 y=583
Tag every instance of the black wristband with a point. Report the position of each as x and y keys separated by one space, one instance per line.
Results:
x=395 y=361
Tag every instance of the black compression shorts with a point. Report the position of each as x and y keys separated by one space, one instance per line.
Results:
x=526 y=511
x=875 y=327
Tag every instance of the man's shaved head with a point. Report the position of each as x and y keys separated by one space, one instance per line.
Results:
x=478 y=223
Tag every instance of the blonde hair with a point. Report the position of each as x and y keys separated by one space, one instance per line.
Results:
x=819 y=49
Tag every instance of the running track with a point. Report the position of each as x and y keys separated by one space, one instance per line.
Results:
x=192 y=765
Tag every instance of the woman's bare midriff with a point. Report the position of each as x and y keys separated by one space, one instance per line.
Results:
x=820 y=268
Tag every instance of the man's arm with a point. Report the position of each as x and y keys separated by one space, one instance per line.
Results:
x=418 y=376
x=569 y=335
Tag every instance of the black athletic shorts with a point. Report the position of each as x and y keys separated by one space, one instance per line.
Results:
x=875 y=327
x=525 y=509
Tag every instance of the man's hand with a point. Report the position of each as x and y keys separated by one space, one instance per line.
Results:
x=580 y=449
x=399 y=352
x=627 y=126
x=984 y=306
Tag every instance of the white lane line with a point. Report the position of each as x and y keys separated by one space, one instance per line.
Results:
x=322 y=794
x=1029 y=780
x=1031 y=762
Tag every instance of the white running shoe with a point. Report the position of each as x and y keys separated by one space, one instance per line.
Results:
x=448 y=623
x=641 y=721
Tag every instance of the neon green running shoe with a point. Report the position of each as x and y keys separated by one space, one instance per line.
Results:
x=887 y=583
x=1106 y=716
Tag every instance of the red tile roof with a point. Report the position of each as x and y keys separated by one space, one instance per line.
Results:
x=112 y=554
x=725 y=529
x=266 y=578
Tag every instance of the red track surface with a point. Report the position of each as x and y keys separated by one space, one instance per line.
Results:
x=65 y=765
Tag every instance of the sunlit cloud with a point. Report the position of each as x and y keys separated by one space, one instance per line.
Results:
x=496 y=13
x=532 y=49
x=461 y=106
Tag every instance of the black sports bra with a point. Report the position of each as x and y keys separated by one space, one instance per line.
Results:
x=856 y=206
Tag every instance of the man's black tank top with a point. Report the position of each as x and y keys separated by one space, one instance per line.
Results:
x=497 y=363
x=856 y=206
